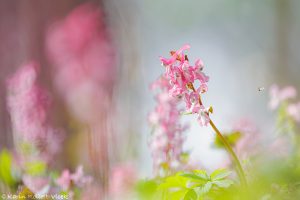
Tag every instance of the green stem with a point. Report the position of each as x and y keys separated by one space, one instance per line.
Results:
x=235 y=159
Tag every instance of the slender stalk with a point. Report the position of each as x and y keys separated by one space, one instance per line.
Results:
x=234 y=157
x=238 y=165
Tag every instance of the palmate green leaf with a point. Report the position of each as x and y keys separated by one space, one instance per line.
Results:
x=194 y=185
x=175 y=181
x=193 y=176
x=196 y=178
x=219 y=174
x=204 y=189
x=202 y=173
x=223 y=183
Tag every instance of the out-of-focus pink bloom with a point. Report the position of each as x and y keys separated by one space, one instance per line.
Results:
x=167 y=137
x=81 y=48
x=278 y=95
x=38 y=185
x=123 y=179
x=182 y=76
x=78 y=178
x=28 y=105
x=83 y=56
x=294 y=111
x=244 y=125
x=250 y=142
x=64 y=181
x=84 y=61
x=248 y=145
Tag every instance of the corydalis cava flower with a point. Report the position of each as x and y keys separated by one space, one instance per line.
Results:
x=182 y=77
x=28 y=105
x=167 y=136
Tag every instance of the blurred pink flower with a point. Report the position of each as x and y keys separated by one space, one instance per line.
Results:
x=83 y=57
x=294 y=111
x=81 y=49
x=64 y=181
x=123 y=179
x=38 y=185
x=77 y=178
x=248 y=145
x=278 y=95
x=28 y=105
x=167 y=138
x=250 y=142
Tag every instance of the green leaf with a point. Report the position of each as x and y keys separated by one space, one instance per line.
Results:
x=190 y=195
x=193 y=176
x=146 y=189
x=202 y=190
x=219 y=174
x=202 y=174
x=175 y=181
x=5 y=168
x=223 y=183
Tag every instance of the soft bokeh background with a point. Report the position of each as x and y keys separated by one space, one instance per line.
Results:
x=244 y=45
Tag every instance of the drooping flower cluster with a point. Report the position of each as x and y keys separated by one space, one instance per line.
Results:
x=28 y=105
x=281 y=98
x=182 y=79
x=167 y=136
